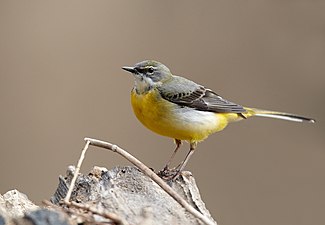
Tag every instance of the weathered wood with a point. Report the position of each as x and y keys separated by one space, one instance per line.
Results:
x=17 y=209
x=144 y=169
x=122 y=195
x=15 y=204
x=128 y=193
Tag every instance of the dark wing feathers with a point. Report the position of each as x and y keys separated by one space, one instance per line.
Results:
x=197 y=97
x=216 y=103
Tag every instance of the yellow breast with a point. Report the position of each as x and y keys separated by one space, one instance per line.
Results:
x=171 y=120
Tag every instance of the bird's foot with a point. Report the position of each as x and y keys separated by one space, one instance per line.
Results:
x=169 y=174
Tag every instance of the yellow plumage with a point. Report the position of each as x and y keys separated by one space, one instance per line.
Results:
x=171 y=120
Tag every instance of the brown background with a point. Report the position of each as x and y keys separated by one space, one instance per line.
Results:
x=60 y=80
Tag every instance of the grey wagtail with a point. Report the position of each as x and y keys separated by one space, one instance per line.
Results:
x=176 y=107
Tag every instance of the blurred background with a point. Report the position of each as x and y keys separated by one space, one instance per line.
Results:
x=61 y=81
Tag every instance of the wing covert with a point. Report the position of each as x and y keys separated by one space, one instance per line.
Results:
x=187 y=93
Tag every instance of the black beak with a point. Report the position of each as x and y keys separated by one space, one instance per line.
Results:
x=129 y=69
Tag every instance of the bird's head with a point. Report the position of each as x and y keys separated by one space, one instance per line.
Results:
x=148 y=74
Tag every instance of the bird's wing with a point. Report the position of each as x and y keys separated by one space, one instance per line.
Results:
x=187 y=93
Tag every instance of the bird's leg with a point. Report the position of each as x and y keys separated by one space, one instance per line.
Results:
x=182 y=165
x=178 y=144
x=173 y=174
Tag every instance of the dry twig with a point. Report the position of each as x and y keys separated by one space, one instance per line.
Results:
x=73 y=181
x=146 y=170
x=101 y=212
x=112 y=216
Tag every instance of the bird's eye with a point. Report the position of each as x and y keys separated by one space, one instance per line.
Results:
x=150 y=70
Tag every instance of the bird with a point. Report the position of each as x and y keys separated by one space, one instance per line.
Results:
x=183 y=110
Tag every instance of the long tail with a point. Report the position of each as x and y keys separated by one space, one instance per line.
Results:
x=277 y=115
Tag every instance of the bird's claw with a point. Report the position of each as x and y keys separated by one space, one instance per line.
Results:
x=169 y=174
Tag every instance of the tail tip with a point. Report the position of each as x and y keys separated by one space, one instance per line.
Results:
x=312 y=121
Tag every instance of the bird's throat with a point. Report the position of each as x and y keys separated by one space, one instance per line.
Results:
x=143 y=84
